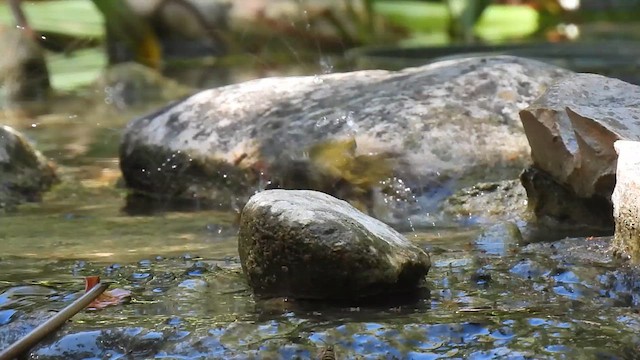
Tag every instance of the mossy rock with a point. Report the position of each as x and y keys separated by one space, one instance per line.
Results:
x=309 y=245
x=24 y=172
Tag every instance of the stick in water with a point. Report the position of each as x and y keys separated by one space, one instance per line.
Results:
x=52 y=323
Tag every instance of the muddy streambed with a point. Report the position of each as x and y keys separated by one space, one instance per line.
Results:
x=484 y=299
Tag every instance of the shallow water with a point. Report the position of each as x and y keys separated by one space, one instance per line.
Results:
x=196 y=305
x=484 y=299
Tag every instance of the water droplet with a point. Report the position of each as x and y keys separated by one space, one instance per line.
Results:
x=140 y=276
x=34 y=125
x=144 y=263
x=322 y=122
x=326 y=65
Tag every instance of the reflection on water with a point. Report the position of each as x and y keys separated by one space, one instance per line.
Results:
x=524 y=306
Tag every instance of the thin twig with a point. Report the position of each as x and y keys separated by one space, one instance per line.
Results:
x=53 y=323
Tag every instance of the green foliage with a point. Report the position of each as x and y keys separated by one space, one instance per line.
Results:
x=451 y=20
x=126 y=27
x=416 y=16
x=69 y=71
x=78 y=18
x=500 y=23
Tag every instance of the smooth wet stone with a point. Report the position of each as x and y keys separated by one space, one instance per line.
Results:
x=309 y=245
x=24 y=172
x=388 y=141
x=571 y=130
x=626 y=199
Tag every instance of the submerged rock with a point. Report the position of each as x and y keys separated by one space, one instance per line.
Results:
x=506 y=202
x=309 y=245
x=499 y=238
x=488 y=202
x=374 y=137
x=24 y=172
x=571 y=130
x=626 y=197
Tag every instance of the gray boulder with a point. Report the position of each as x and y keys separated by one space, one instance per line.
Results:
x=309 y=245
x=24 y=172
x=387 y=140
x=571 y=130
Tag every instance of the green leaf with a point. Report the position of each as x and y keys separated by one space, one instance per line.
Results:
x=71 y=17
x=80 y=68
x=500 y=22
x=418 y=16
x=425 y=19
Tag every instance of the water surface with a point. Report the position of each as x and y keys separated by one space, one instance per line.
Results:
x=483 y=299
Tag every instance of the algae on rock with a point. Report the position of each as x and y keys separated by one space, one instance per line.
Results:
x=308 y=245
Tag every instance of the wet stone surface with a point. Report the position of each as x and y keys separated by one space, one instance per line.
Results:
x=360 y=136
x=568 y=299
x=309 y=245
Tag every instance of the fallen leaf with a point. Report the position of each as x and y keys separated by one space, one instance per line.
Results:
x=111 y=297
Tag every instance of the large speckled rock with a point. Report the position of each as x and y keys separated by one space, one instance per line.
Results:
x=626 y=203
x=309 y=245
x=24 y=172
x=374 y=136
x=571 y=130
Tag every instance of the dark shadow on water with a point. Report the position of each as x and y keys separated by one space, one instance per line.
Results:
x=379 y=306
x=140 y=205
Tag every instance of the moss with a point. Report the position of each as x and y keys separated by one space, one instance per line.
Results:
x=338 y=261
